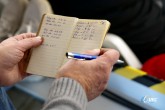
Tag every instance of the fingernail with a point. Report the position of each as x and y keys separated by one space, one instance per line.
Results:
x=96 y=50
x=39 y=38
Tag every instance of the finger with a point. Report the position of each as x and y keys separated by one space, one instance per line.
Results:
x=24 y=61
x=30 y=42
x=24 y=36
x=103 y=50
x=110 y=57
x=92 y=52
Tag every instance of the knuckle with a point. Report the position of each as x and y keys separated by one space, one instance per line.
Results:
x=111 y=55
x=23 y=35
x=30 y=41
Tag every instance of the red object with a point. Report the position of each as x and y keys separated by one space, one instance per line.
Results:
x=155 y=66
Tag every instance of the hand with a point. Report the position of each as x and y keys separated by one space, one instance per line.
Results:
x=93 y=75
x=13 y=57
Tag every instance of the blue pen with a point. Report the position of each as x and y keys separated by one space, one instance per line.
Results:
x=85 y=57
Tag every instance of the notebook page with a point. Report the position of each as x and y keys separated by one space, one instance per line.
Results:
x=47 y=58
x=88 y=34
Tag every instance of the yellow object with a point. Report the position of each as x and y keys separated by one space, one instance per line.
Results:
x=159 y=87
x=130 y=72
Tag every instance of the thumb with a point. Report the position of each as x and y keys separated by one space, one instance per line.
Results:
x=110 y=57
x=30 y=42
x=92 y=52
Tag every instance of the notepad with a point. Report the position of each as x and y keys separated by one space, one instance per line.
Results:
x=62 y=34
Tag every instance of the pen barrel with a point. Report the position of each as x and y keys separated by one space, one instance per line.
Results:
x=84 y=57
x=88 y=57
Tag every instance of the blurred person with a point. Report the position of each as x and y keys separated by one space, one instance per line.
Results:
x=11 y=17
x=140 y=23
x=72 y=88
x=21 y=16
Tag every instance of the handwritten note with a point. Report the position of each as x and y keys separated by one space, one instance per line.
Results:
x=88 y=34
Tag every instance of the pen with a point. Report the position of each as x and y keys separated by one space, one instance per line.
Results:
x=86 y=57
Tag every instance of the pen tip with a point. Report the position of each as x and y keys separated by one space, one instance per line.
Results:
x=66 y=54
x=120 y=61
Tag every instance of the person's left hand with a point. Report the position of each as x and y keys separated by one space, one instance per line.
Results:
x=13 y=57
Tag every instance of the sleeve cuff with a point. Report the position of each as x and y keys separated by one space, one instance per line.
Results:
x=67 y=91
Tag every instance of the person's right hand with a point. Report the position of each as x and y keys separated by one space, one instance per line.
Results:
x=93 y=75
